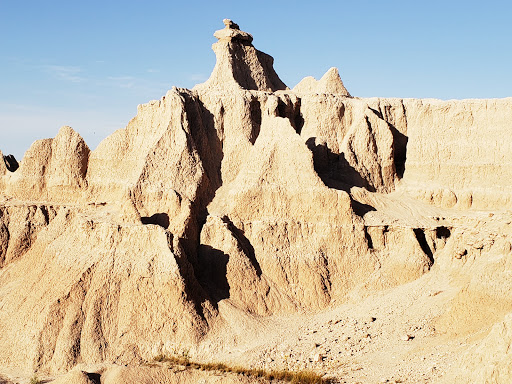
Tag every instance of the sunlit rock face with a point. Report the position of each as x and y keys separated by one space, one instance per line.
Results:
x=243 y=199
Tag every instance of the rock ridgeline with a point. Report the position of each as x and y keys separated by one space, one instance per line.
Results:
x=232 y=198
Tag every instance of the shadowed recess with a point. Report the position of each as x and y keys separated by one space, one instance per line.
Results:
x=420 y=236
x=11 y=163
x=161 y=219
x=334 y=169
x=399 y=145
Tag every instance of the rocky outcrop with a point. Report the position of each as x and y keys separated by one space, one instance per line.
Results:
x=240 y=65
x=52 y=169
x=352 y=143
x=330 y=83
x=232 y=199
x=114 y=284
x=272 y=202
x=19 y=227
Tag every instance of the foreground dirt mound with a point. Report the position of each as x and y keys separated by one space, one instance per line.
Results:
x=247 y=223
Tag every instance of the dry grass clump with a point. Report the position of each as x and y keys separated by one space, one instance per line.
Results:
x=35 y=380
x=300 y=377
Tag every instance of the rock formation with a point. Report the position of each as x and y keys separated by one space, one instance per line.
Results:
x=239 y=64
x=222 y=209
x=330 y=83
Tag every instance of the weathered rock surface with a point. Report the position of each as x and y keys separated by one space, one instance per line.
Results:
x=71 y=296
x=489 y=361
x=239 y=64
x=330 y=83
x=222 y=208
x=52 y=169
x=456 y=150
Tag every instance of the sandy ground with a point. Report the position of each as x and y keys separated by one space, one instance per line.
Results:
x=389 y=337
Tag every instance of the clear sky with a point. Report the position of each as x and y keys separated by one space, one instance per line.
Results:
x=88 y=64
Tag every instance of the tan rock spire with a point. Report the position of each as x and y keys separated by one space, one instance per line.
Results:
x=330 y=83
x=239 y=64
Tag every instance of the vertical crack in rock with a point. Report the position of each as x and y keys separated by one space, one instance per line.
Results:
x=256 y=114
x=368 y=238
x=209 y=148
x=422 y=241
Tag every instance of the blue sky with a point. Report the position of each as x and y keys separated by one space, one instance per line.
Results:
x=88 y=64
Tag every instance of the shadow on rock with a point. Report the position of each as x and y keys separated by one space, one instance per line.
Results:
x=334 y=169
x=161 y=219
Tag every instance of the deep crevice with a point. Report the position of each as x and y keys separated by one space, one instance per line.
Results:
x=298 y=119
x=420 y=236
x=45 y=213
x=368 y=238
x=203 y=139
x=213 y=274
x=255 y=112
x=361 y=209
x=282 y=108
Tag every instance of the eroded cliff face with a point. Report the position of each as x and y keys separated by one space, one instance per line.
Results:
x=239 y=191
x=457 y=155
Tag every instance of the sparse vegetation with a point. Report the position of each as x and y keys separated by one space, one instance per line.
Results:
x=35 y=380
x=300 y=377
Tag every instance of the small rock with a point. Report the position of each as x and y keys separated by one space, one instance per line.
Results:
x=458 y=254
x=406 y=337
x=318 y=357
x=230 y=24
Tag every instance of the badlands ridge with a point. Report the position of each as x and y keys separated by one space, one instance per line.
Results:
x=243 y=222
